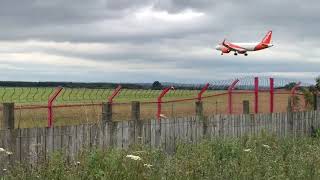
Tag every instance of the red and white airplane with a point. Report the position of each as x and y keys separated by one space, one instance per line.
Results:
x=243 y=48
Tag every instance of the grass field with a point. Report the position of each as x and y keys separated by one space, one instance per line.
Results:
x=122 y=107
x=71 y=95
x=261 y=157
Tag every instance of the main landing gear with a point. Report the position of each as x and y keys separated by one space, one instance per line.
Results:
x=235 y=53
x=245 y=54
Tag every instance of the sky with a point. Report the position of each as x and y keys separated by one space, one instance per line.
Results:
x=149 y=40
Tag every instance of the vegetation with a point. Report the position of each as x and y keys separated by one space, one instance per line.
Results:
x=261 y=157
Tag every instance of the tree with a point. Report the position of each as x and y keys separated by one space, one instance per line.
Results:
x=290 y=85
x=318 y=83
x=156 y=85
x=308 y=93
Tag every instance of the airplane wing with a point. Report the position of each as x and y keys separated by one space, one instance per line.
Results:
x=233 y=47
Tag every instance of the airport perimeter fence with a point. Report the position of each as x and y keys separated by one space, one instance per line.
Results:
x=47 y=107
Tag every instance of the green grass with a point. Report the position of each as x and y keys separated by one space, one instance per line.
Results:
x=262 y=157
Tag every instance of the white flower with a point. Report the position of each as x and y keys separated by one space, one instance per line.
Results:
x=4 y=169
x=134 y=157
x=9 y=153
x=78 y=162
x=247 y=150
x=2 y=150
x=147 y=165
x=163 y=116
x=266 y=146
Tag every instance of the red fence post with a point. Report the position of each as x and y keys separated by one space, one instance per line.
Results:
x=271 y=94
x=204 y=89
x=256 y=95
x=50 y=103
x=163 y=93
x=114 y=94
x=231 y=87
x=293 y=93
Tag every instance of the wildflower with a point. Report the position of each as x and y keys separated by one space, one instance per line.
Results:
x=9 y=153
x=266 y=146
x=133 y=157
x=147 y=165
x=247 y=150
x=78 y=162
x=4 y=169
x=2 y=150
x=163 y=116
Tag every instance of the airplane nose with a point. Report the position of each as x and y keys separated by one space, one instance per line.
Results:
x=218 y=47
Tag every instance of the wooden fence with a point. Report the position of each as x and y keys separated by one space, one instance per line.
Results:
x=33 y=145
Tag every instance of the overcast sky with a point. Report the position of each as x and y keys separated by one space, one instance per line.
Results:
x=145 y=40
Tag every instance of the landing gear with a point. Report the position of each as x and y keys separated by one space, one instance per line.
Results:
x=245 y=54
x=235 y=53
x=221 y=54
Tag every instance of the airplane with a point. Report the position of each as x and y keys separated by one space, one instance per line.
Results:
x=243 y=48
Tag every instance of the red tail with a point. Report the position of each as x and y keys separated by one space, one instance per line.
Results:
x=267 y=38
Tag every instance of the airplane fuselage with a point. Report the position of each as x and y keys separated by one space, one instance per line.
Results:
x=243 y=48
x=246 y=46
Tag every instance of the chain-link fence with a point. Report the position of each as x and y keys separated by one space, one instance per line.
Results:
x=34 y=107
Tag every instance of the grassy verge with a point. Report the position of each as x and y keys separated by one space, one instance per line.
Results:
x=262 y=157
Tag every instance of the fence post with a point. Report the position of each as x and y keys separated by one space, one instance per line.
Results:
x=231 y=87
x=137 y=123
x=199 y=109
x=271 y=94
x=246 y=109
x=135 y=111
x=8 y=115
x=50 y=103
x=106 y=112
x=163 y=93
x=256 y=95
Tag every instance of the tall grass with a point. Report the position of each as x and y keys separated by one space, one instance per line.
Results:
x=261 y=157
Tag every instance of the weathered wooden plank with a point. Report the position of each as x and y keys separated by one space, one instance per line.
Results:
x=170 y=136
x=153 y=133
x=131 y=133
x=86 y=135
x=94 y=135
x=24 y=145
x=66 y=142
x=41 y=144
x=73 y=143
x=57 y=139
x=118 y=134
x=125 y=134
x=101 y=136
x=33 y=153
x=194 y=130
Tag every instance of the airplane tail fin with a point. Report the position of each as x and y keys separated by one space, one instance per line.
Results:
x=267 y=38
x=224 y=41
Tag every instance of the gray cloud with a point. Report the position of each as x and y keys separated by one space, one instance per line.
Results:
x=148 y=40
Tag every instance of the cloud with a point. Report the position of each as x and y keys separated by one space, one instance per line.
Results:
x=146 y=40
